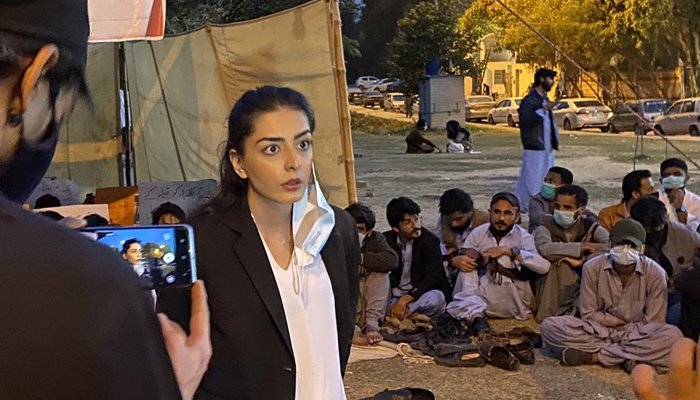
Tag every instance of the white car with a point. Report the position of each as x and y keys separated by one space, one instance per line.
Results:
x=383 y=85
x=394 y=102
x=579 y=113
x=682 y=117
x=506 y=111
x=365 y=82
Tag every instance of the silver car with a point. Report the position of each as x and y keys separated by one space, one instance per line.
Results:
x=476 y=108
x=506 y=111
x=682 y=117
x=580 y=113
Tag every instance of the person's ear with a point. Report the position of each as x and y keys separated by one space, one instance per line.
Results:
x=44 y=60
x=395 y=229
x=643 y=249
x=636 y=195
x=235 y=159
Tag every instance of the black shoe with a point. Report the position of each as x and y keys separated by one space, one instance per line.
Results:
x=479 y=325
x=573 y=357
x=523 y=352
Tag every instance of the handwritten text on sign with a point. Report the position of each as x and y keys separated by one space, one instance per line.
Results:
x=187 y=195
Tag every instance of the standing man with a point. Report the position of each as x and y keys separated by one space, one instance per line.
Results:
x=76 y=323
x=418 y=284
x=539 y=136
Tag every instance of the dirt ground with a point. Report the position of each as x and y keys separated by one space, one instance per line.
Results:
x=599 y=161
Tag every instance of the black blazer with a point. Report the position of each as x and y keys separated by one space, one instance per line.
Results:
x=427 y=271
x=252 y=357
x=532 y=125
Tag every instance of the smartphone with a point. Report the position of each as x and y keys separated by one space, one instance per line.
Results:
x=162 y=256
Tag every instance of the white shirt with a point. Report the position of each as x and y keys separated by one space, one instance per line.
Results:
x=691 y=202
x=454 y=147
x=313 y=329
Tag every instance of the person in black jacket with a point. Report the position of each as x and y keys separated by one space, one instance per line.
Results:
x=539 y=136
x=419 y=283
x=76 y=322
x=280 y=264
x=378 y=259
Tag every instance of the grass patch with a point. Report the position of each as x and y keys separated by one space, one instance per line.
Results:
x=361 y=123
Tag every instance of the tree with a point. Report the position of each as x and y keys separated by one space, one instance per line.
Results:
x=429 y=30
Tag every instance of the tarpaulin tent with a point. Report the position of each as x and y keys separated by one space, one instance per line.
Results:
x=182 y=88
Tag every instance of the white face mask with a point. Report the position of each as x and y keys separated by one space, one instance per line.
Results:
x=624 y=254
x=362 y=237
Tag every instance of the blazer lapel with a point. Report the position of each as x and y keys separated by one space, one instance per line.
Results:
x=333 y=255
x=251 y=253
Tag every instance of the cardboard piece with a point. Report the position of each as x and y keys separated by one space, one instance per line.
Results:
x=66 y=190
x=187 y=195
x=121 y=202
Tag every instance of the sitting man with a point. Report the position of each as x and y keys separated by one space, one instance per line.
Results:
x=457 y=219
x=671 y=244
x=682 y=205
x=378 y=259
x=418 y=284
x=416 y=143
x=623 y=309
x=635 y=185
x=509 y=254
x=543 y=203
x=566 y=238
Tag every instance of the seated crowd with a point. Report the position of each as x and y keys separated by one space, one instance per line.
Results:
x=615 y=288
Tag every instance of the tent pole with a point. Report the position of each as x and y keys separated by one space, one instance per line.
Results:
x=128 y=172
x=344 y=110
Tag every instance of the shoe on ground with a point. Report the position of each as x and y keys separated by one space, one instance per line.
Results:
x=479 y=325
x=574 y=357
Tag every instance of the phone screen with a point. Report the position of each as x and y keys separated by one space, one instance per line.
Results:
x=162 y=256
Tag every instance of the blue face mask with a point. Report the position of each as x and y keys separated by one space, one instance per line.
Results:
x=548 y=191
x=564 y=218
x=673 y=182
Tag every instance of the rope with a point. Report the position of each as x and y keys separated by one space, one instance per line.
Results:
x=594 y=79
x=411 y=356
x=167 y=112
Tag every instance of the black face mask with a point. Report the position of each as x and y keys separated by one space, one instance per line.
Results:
x=29 y=165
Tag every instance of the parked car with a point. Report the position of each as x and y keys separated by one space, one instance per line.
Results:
x=682 y=117
x=506 y=111
x=382 y=85
x=394 y=102
x=364 y=82
x=354 y=95
x=626 y=116
x=476 y=108
x=395 y=86
x=372 y=98
x=580 y=113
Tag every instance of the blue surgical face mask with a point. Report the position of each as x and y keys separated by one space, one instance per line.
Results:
x=673 y=182
x=548 y=191
x=564 y=218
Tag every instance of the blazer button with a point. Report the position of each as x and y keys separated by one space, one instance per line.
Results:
x=288 y=369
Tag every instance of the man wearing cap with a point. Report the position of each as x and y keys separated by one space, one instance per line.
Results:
x=623 y=309
x=539 y=136
x=681 y=204
x=510 y=258
x=76 y=323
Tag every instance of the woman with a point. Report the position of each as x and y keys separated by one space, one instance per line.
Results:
x=280 y=264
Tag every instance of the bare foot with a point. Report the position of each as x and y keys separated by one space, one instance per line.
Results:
x=359 y=339
x=374 y=337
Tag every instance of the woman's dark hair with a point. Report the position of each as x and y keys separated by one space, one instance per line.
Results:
x=264 y=99
x=452 y=129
